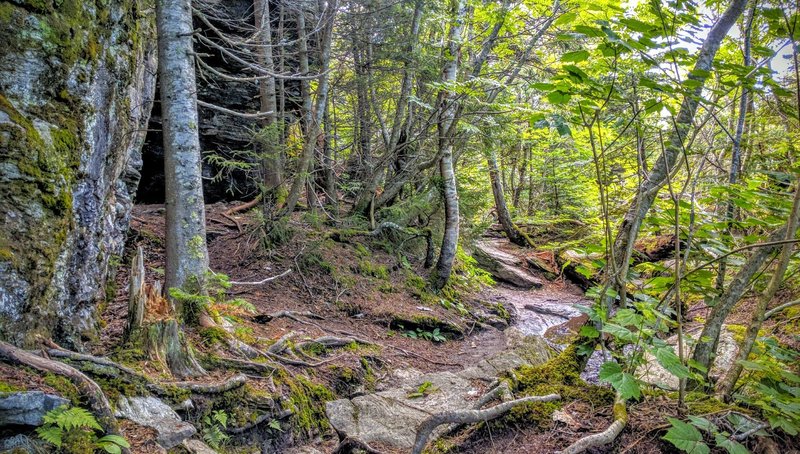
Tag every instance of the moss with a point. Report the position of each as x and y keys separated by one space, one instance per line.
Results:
x=560 y=375
x=176 y=395
x=362 y=251
x=63 y=386
x=369 y=269
x=699 y=403
x=9 y=388
x=307 y=402
x=212 y=335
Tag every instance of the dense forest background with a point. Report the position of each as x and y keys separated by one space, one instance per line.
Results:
x=246 y=225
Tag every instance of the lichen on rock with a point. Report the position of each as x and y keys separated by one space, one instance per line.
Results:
x=76 y=84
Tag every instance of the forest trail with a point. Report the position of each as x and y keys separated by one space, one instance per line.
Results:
x=388 y=418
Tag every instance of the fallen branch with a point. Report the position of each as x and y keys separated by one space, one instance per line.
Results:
x=211 y=388
x=263 y=281
x=470 y=417
x=97 y=401
x=503 y=391
x=244 y=207
x=780 y=308
x=605 y=437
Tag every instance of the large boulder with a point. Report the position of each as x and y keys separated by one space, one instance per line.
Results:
x=77 y=81
x=27 y=408
x=154 y=413
x=504 y=266
x=391 y=416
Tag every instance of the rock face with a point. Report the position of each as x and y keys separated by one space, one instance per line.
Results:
x=391 y=417
x=504 y=266
x=76 y=87
x=27 y=408
x=152 y=412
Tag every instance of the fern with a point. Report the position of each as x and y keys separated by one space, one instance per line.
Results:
x=73 y=424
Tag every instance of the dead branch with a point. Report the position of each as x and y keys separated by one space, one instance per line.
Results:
x=251 y=116
x=262 y=281
x=605 y=437
x=211 y=388
x=244 y=206
x=97 y=401
x=470 y=417
x=502 y=390
x=780 y=308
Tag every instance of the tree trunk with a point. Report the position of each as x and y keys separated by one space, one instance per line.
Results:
x=269 y=143
x=514 y=234
x=707 y=343
x=736 y=148
x=446 y=127
x=313 y=114
x=186 y=251
x=668 y=161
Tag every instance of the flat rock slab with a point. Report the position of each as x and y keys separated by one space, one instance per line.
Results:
x=504 y=266
x=391 y=417
x=27 y=408
x=152 y=412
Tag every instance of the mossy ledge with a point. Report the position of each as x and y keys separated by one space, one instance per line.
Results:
x=76 y=84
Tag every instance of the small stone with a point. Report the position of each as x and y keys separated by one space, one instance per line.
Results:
x=27 y=408
x=197 y=447
x=152 y=412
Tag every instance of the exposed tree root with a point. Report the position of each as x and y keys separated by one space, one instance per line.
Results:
x=238 y=364
x=98 y=403
x=243 y=207
x=262 y=281
x=470 y=417
x=211 y=388
x=502 y=390
x=605 y=437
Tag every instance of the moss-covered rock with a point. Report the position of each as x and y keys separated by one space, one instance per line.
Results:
x=76 y=85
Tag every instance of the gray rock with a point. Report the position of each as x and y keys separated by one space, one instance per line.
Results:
x=504 y=266
x=197 y=447
x=27 y=408
x=391 y=416
x=727 y=349
x=71 y=135
x=152 y=412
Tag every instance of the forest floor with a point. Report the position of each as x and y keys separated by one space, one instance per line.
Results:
x=360 y=287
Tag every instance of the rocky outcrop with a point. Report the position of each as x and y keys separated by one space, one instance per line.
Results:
x=27 y=408
x=76 y=86
x=504 y=266
x=392 y=416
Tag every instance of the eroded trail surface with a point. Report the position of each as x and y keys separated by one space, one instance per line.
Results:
x=541 y=311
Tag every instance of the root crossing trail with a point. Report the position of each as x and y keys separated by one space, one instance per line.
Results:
x=388 y=418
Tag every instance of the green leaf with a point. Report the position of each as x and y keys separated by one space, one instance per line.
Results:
x=558 y=97
x=565 y=18
x=729 y=445
x=686 y=437
x=115 y=439
x=577 y=56
x=625 y=384
x=670 y=361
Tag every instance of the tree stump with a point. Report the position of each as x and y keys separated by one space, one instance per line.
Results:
x=153 y=327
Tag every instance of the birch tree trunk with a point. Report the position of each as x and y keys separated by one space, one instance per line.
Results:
x=446 y=127
x=187 y=254
x=668 y=161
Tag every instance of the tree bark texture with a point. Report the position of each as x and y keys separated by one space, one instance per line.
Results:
x=186 y=251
